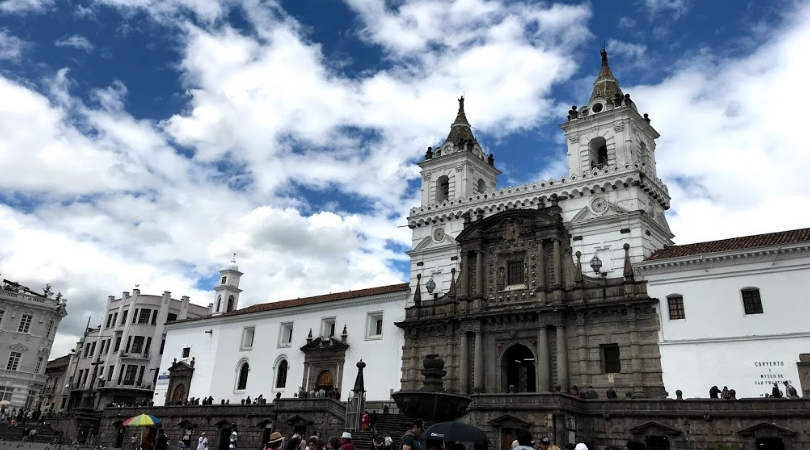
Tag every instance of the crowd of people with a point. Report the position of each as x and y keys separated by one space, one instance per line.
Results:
x=776 y=392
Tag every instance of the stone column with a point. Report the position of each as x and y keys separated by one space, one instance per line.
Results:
x=478 y=381
x=464 y=364
x=479 y=273
x=583 y=350
x=541 y=271
x=557 y=264
x=542 y=360
x=635 y=362
x=464 y=276
x=562 y=359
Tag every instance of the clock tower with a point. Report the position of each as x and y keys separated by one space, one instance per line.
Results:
x=457 y=172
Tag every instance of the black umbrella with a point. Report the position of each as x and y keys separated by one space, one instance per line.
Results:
x=456 y=431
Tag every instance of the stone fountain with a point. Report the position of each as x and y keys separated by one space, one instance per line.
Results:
x=432 y=403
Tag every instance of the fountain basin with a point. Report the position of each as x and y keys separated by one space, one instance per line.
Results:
x=433 y=406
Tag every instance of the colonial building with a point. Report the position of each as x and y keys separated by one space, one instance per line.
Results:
x=119 y=361
x=731 y=312
x=285 y=347
x=55 y=394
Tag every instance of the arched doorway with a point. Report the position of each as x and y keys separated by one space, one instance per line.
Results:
x=325 y=380
x=519 y=369
x=179 y=394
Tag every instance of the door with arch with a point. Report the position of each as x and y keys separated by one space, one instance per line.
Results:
x=325 y=380
x=518 y=369
x=179 y=394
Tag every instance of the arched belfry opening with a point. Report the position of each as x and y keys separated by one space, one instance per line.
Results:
x=442 y=189
x=598 y=153
x=518 y=366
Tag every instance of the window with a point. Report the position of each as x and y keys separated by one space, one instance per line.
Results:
x=186 y=352
x=137 y=344
x=328 y=327
x=124 y=316
x=86 y=350
x=6 y=392
x=148 y=345
x=611 y=359
x=676 y=311
x=135 y=316
x=442 y=189
x=117 y=344
x=154 y=317
x=140 y=375
x=109 y=320
x=110 y=373
x=224 y=279
x=129 y=375
x=374 y=325
x=514 y=272
x=92 y=349
x=247 y=338
x=13 y=360
x=162 y=345
x=129 y=344
x=115 y=319
x=285 y=335
x=143 y=318
x=25 y=323
x=49 y=329
x=219 y=303
x=482 y=185
x=230 y=303
x=752 y=301
x=243 y=376
x=171 y=317
x=39 y=365
x=281 y=377
x=598 y=153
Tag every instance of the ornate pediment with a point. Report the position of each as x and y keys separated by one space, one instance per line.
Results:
x=509 y=421
x=512 y=224
x=430 y=242
x=18 y=347
x=607 y=210
x=298 y=420
x=180 y=366
x=642 y=429
x=324 y=344
x=766 y=428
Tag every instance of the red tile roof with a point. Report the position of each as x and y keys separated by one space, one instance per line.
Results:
x=737 y=243
x=318 y=299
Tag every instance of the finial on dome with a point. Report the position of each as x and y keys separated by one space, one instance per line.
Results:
x=232 y=265
x=234 y=258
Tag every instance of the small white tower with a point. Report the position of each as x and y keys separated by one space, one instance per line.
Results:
x=226 y=293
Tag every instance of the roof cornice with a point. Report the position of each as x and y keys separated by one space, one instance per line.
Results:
x=726 y=258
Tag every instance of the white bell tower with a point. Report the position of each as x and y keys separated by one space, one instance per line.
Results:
x=226 y=293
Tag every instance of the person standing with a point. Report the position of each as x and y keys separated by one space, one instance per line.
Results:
x=162 y=442
x=372 y=420
x=202 y=442
x=410 y=440
x=346 y=441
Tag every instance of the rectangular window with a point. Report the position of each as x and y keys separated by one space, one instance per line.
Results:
x=109 y=373
x=130 y=374
x=137 y=345
x=224 y=279
x=514 y=272
x=25 y=323
x=135 y=316
x=611 y=359
x=148 y=346
x=676 y=311
x=86 y=350
x=140 y=375
x=285 y=335
x=247 y=338
x=92 y=349
x=143 y=318
x=186 y=352
x=129 y=344
x=162 y=345
x=49 y=329
x=121 y=373
x=6 y=392
x=328 y=327
x=39 y=365
x=13 y=361
x=374 y=325
x=115 y=319
x=171 y=317
x=117 y=344
x=154 y=316
x=109 y=320
x=124 y=317
x=2 y=313
x=752 y=301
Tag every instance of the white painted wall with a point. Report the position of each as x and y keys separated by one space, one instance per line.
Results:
x=717 y=343
x=218 y=354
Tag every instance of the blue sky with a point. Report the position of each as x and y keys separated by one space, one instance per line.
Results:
x=144 y=141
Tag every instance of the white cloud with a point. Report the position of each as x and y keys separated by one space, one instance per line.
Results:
x=672 y=8
x=75 y=41
x=626 y=22
x=11 y=47
x=24 y=6
x=627 y=52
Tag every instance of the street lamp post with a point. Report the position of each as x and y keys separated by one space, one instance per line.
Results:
x=596 y=265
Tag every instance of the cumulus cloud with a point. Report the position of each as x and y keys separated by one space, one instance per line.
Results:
x=672 y=8
x=75 y=41
x=626 y=22
x=11 y=47
x=24 y=6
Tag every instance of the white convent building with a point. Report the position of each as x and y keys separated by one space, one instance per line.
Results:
x=743 y=304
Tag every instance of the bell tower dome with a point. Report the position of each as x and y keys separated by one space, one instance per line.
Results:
x=226 y=292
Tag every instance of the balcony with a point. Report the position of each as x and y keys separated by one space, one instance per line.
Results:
x=134 y=355
x=130 y=385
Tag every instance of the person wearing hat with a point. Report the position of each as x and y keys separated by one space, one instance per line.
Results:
x=546 y=444
x=274 y=443
x=346 y=441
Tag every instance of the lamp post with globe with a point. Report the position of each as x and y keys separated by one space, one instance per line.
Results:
x=596 y=265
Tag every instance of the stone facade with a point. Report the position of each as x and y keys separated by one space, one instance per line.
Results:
x=804 y=373
x=523 y=317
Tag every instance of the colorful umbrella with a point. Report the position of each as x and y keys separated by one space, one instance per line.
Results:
x=143 y=420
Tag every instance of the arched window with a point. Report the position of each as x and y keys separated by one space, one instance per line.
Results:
x=230 y=303
x=482 y=185
x=219 y=303
x=243 y=376
x=281 y=377
x=598 y=153
x=442 y=188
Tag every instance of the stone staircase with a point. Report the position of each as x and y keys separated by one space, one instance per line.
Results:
x=394 y=424
x=8 y=433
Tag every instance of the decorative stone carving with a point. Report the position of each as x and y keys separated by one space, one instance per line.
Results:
x=18 y=347
x=618 y=128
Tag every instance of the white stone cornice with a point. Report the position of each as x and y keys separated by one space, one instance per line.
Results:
x=735 y=339
x=724 y=259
